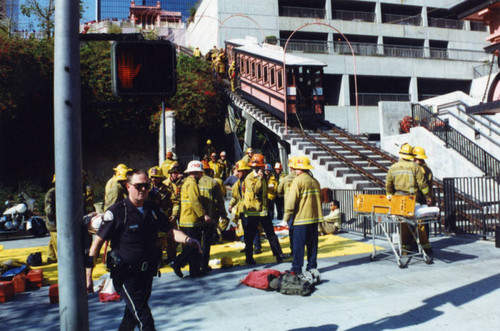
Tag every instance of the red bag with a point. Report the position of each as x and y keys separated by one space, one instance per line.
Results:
x=260 y=278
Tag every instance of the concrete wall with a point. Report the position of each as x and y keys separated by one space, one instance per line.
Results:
x=390 y=114
x=346 y=118
x=444 y=162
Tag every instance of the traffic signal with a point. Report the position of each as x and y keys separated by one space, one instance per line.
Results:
x=143 y=67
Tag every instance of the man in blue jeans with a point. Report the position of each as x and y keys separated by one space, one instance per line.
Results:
x=304 y=201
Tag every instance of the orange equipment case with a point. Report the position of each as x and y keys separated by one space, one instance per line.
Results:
x=6 y=291
x=54 y=293
x=402 y=205
x=35 y=278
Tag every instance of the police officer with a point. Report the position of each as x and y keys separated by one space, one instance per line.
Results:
x=405 y=178
x=255 y=203
x=304 y=201
x=132 y=226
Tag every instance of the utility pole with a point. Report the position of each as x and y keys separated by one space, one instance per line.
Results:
x=73 y=307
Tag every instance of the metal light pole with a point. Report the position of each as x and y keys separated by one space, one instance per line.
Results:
x=73 y=308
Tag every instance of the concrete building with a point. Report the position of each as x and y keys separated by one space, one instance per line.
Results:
x=404 y=51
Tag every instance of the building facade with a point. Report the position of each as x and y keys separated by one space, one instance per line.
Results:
x=403 y=51
x=119 y=9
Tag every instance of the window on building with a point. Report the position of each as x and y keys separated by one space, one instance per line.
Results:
x=259 y=71
x=252 y=66
x=265 y=74
x=273 y=79
x=280 y=79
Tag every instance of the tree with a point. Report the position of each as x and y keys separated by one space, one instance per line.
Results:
x=44 y=14
x=196 y=102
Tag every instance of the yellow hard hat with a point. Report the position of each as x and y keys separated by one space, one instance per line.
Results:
x=119 y=167
x=122 y=174
x=249 y=150
x=242 y=165
x=419 y=153
x=226 y=262
x=209 y=142
x=303 y=163
x=291 y=161
x=155 y=172
x=406 y=152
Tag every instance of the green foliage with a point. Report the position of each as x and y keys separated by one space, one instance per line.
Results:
x=196 y=102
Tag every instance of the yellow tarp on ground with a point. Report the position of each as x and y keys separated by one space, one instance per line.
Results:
x=329 y=246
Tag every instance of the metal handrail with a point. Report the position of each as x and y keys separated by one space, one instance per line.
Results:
x=454 y=139
x=402 y=19
x=373 y=49
x=349 y=15
x=292 y=11
x=446 y=23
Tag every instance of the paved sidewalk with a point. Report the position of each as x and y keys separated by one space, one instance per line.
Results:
x=459 y=291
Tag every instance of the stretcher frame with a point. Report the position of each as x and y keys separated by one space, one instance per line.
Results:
x=385 y=221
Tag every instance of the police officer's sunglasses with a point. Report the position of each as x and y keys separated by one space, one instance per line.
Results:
x=141 y=186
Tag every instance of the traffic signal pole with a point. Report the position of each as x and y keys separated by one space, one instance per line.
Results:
x=73 y=308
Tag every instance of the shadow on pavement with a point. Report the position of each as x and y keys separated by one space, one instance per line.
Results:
x=428 y=310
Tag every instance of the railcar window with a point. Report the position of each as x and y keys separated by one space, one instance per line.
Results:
x=289 y=77
x=280 y=79
x=259 y=71
x=253 y=69
x=273 y=80
x=266 y=78
x=247 y=69
x=242 y=65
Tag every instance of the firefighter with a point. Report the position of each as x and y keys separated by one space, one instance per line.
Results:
x=279 y=176
x=232 y=75
x=169 y=160
x=419 y=157
x=165 y=197
x=197 y=53
x=236 y=205
x=304 y=202
x=255 y=202
x=115 y=190
x=405 y=178
x=283 y=189
x=224 y=164
x=248 y=155
x=209 y=149
x=50 y=212
x=216 y=167
x=213 y=202
x=193 y=218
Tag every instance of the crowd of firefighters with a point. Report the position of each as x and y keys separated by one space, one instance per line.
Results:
x=193 y=199
x=219 y=62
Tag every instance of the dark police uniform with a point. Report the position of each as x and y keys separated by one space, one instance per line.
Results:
x=133 y=235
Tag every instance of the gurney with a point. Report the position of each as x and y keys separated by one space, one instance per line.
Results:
x=388 y=213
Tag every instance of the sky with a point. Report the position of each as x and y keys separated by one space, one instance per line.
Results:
x=88 y=15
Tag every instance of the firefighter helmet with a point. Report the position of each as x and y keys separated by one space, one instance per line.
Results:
x=303 y=163
x=257 y=161
x=419 y=153
x=406 y=152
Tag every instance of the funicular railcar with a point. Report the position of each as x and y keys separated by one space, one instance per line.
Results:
x=261 y=80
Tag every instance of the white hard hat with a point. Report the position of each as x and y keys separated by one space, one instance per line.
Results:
x=95 y=223
x=194 y=166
